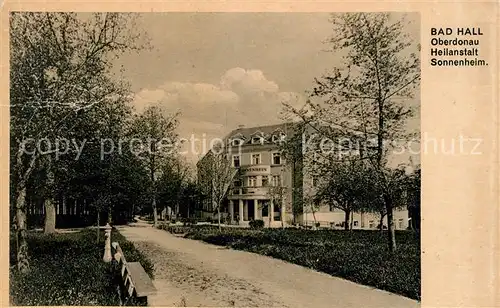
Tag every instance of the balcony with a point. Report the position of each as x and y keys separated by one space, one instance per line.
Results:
x=249 y=191
x=250 y=170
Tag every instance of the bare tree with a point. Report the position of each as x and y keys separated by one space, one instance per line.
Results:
x=277 y=194
x=217 y=167
x=311 y=201
x=365 y=101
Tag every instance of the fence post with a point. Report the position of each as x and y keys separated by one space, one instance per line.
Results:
x=107 y=248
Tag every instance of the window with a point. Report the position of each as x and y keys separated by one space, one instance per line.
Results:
x=236 y=142
x=371 y=225
x=236 y=160
x=265 y=209
x=356 y=223
x=275 y=138
x=314 y=182
x=265 y=180
x=255 y=159
x=256 y=140
x=252 y=181
x=237 y=183
x=400 y=222
x=276 y=158
x=276 y=180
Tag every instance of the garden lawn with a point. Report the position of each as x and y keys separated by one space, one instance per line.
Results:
x=361 y=256
x=67 y=269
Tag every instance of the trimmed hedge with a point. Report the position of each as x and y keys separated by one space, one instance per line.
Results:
x=132 y=254
x=75 y=221
x=256 y=224
x=359 y=255
x=67 y=269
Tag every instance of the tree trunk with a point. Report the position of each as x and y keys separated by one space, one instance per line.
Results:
x=22 y=244
x=98 y=224
x=50 y=216
x=218 y=217
x=346 y=219
x=155 y=213
x=110 y=218
x=269 y=214
x=390 y=228
x=352 y=220
x=50 y=210
x=314 y=218
x=381 y=224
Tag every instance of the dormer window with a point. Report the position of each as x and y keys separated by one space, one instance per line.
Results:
x=257 y=140
x=278 y=137
x=236 y=142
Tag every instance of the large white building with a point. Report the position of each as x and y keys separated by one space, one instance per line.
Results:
x=268 y=187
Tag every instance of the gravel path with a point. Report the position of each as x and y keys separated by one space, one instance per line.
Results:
x=190 y=273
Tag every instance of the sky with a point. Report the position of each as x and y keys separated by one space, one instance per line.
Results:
x=221 y=70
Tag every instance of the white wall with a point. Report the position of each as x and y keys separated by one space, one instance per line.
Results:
x=365 y=221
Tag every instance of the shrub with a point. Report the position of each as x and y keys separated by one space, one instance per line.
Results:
x=163 y=226
x=256 y=224
x=132 y=254
x=67 y=269
x=189 y=221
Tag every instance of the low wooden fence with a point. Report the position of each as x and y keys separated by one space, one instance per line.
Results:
x=133 y=283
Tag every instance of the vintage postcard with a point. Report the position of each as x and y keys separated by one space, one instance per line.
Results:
x=250 y=154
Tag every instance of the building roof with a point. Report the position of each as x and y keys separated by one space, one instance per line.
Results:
x=268 y=130
x=246 y=133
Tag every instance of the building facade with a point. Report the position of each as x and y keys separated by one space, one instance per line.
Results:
x=262 y=187
x=268 y=187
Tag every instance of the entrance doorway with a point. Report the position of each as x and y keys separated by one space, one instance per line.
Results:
x=251 y=209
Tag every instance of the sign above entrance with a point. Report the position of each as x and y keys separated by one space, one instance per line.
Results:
x=255 y=170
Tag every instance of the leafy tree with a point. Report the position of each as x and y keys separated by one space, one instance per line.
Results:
x=156 y=144
x=190 y=198
x=59 y=69
x=364 y=103
x=172 y=182
x=344 y=188
x=413 y=198
x=374 y=191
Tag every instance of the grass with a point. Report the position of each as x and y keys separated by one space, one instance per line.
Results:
x=67 y=269
x=359 y=255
